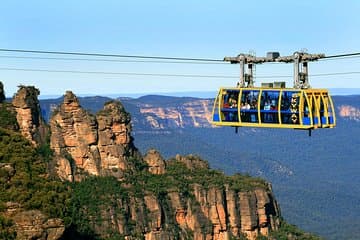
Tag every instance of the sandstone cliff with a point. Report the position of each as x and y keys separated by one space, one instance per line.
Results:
x=33 y=224
x=29 y=118
x=186 y=201
x=101 y=145
x=349 y=112
x=120 y=194
x=165 y=113
x=87 y=144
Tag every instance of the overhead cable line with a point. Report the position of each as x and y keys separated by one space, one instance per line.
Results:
x=110 y=60
x=146 y=61
x=116 y=73
x=142 y=56
x=110 y=55
x=163 y=74
x=342 y=55
x=338 y=58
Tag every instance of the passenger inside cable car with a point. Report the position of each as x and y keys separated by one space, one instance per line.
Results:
x=230 y=106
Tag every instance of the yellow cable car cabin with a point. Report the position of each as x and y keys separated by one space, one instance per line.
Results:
x=274 y=108
x=273 y=105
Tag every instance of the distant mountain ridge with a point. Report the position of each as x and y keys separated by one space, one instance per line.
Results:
x=156 y=112
x=303 y=170
x=194 y=94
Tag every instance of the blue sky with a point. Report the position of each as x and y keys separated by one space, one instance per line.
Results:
x=190 y=29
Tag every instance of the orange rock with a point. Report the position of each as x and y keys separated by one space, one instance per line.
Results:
x=155 y=161
x=98 y=145
x=32 y=125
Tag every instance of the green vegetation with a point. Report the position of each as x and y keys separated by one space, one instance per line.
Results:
x=210 y=178
x=7 y=117
x=117 y=106
x=6 y=233
x=30 y=186
x=288 y=231
x=90 y=198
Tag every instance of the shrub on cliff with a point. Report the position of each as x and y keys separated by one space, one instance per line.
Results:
x=6 y=233
x=88 y=200
x=8 y=117
x=288 y=231
x=30 y=185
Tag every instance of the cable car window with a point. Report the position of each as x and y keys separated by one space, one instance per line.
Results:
x=230 y=106
x=249 y=105
x=269 y=106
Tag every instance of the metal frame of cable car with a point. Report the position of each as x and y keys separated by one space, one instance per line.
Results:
x=272 y=105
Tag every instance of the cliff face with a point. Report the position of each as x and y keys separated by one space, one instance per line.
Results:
x=149 y=197
x=101 y=145
x=29 y=118
x=166 y=114
x=172 y=206
x=33 y=224
x=349 y=112
x=85 y=144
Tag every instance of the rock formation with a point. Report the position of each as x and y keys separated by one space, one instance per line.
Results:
x=197 y=207
x=32 y=126
x=32 y=224
x=102 y=145
x=155 y=162
x=88 y=144
x=207 y=211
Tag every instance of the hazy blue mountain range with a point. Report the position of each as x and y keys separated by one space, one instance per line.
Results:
x=316 y=179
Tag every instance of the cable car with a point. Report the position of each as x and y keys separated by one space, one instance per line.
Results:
x=273 y=105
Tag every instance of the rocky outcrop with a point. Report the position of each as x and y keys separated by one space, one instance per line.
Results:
x=232 y=213
x=155 y=162
x=88 y=144
x=32 y=224
x=115 y=143
x=192 y=162
x=32 y=126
